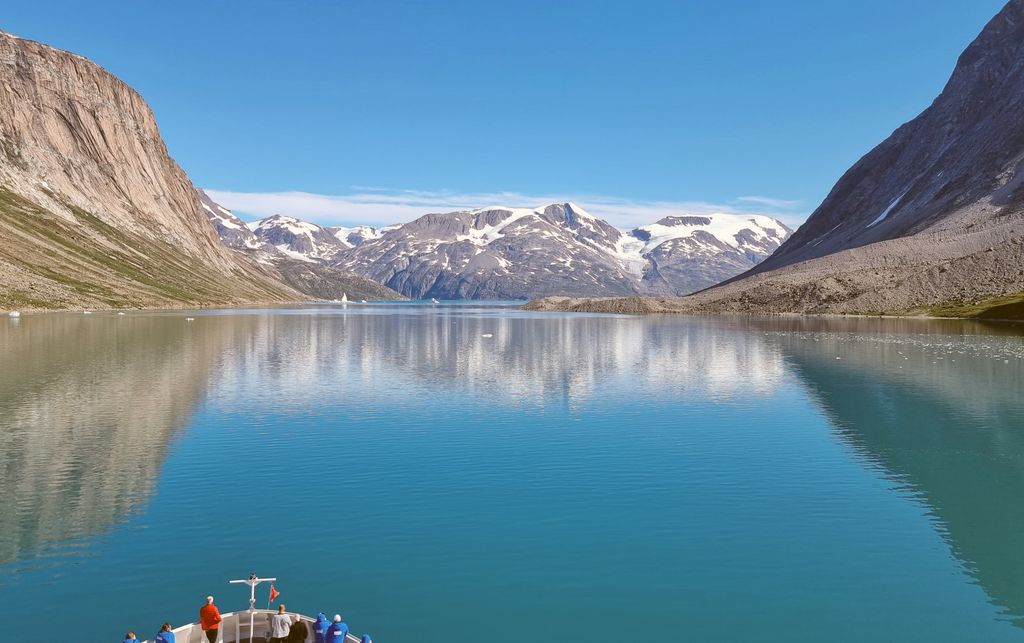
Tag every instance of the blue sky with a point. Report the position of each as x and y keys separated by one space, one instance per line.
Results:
x=375 y=111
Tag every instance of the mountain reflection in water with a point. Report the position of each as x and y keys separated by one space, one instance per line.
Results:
x=637 y=434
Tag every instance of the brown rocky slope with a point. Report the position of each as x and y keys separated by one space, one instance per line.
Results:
x=93 y=210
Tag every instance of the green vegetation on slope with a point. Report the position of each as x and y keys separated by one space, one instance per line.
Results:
x=51 y=262
x=1008 y=307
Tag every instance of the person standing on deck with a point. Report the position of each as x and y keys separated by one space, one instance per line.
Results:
x=209 y=620
x=320 y=628
x=338 y=630
x=280 y=626
x=165 y=635
x=299 y=632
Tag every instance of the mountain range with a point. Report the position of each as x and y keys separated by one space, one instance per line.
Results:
x=518 y=253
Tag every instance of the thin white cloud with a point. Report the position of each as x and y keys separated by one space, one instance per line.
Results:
x=771 y=202
x=380 y=206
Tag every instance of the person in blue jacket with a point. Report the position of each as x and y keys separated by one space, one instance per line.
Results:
x=320 y=628
x=337 y=631
x=165 y=635
x=366 y=639
x=130 y=637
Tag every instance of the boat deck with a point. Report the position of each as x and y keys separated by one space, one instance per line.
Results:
x=235 y=629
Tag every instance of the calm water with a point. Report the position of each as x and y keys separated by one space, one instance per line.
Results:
x=570 y=476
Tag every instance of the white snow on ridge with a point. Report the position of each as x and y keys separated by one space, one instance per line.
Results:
x=488 y=233
x=724 y=227
x=365 y=232
x=225 y=217
x=291 y=224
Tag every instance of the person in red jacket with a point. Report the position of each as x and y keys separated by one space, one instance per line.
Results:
x=209 y=619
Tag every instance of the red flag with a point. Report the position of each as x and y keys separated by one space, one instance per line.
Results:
x=273 y=593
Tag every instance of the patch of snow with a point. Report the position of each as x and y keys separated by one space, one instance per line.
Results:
x=723 y=227
x=889 y=209
x=227 y=220
x=365 y=232
x=283 y=247
x=291 y=224
x=490 y=233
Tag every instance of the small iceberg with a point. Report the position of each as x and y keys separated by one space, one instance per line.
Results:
x=120 y=314
x=14 y=313
x=86 y=312
x=362 y=301
x=487 y=335
x=344 y=298
x=190 y=319
x=434 y=301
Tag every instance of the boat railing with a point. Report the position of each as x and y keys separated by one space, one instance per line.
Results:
x=234 y=628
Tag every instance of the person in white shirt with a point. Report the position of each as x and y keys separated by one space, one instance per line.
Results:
x=280 y=625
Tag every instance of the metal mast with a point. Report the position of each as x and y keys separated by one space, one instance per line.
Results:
x=252 y=582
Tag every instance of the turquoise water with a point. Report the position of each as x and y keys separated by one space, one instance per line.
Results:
x=569 y=478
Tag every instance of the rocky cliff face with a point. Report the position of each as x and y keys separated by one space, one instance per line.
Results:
x=93 y=211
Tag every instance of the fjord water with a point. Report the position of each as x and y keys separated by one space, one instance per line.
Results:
x=478 y=473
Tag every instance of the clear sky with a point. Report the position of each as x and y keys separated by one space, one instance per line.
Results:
x=374 y=111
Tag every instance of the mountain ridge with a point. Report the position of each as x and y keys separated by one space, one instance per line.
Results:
x=500 y=252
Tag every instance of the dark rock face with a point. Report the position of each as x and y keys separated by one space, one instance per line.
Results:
x=965 y=149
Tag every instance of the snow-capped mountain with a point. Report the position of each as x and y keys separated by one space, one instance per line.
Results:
x=684 y=254
x=298 y=239
x=517 y=253
x=499 y=252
